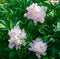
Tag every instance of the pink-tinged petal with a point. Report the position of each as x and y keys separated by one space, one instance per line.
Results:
x=41 y=20
x=31 y=49
x=23 y=34
x=11 y=42
x=24 y=43
x=11 y=45
x=38 y=55
x=31 y=44
x=17 y=47
x=37 y=40
x=16 y=27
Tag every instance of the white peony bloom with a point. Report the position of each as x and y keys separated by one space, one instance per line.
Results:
x=39 y=47
x=36 y=13
x=17 y=37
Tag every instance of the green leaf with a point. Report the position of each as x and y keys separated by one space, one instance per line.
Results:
x=12 y=54
x=45 y=57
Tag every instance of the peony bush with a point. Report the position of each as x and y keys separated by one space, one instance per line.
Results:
x=29 y=29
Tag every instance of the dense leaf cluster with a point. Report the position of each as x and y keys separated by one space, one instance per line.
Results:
x=12 y=12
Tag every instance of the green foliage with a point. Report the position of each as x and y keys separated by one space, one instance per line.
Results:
x=12 y=13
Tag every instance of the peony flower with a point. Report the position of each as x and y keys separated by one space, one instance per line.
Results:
x=36 y=13
x=39 y=47
x=17 y=37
